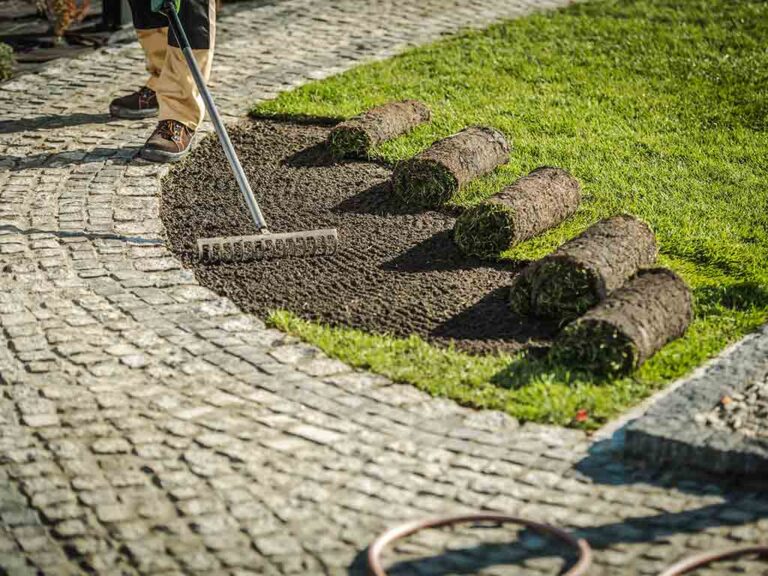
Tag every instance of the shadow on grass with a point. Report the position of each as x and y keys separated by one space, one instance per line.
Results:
x=439 y=253
x=480 y=321
x=535 y=364
x=740 y=296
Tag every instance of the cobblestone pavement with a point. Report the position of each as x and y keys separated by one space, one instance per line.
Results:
x=147 y=426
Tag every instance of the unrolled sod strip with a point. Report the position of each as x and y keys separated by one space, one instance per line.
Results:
x=583 y=271
x=433 y=176
x=355 y=137
x=529 y=206
x=631 y=325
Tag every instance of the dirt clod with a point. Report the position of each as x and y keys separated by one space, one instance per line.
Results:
x=396 y=271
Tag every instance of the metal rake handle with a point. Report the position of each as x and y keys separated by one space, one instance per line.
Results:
x=221 y=131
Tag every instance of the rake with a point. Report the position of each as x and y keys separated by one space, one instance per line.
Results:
x=263 y=244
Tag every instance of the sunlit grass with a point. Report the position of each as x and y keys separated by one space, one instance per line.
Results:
x=658 y=107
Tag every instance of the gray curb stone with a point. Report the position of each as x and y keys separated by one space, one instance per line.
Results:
x=668 y=434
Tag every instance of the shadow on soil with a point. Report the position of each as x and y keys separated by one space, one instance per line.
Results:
x=315 y=156
x=439 y=253
x=472 y=324
x=736 y=505
x=376 y=200
x=319 y=155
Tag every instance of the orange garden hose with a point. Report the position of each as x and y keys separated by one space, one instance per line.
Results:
x=684 y=566
x=401 y=531
x=700 y=560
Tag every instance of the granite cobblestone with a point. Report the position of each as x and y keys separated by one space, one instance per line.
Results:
x=148 y=426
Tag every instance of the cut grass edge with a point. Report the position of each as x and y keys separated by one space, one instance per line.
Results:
x=527 y=386
x=695 y=146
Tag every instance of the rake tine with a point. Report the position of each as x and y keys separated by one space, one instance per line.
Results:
x=228 y=248
x=268 y=245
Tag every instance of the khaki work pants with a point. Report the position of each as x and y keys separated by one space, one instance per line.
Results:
x=169 y=75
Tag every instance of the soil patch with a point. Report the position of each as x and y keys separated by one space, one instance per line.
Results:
x=396 y=272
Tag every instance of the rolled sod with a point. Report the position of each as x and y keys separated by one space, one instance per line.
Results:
x=529 y=206
x=432 y=177
x=355 y=137
x=583 y=271
x=631 y=325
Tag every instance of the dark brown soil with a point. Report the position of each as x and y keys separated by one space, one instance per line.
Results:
x=396 y=272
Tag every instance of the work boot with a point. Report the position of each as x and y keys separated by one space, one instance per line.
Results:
x=140 y=104
x=169 y=142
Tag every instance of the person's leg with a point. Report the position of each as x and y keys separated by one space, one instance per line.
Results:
x=178 y=95
x=154 y=41
x=152 y=31
x=181 y=105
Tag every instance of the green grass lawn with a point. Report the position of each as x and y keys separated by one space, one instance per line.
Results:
x=658 y=107
x=6 y=61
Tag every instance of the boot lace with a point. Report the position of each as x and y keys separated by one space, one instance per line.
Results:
x=145 y=96
x=170 y=130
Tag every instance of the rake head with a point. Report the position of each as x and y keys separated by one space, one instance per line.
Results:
x=267 y=245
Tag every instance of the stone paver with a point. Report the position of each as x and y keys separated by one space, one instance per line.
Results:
x=147 y=426
x=693 y=427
